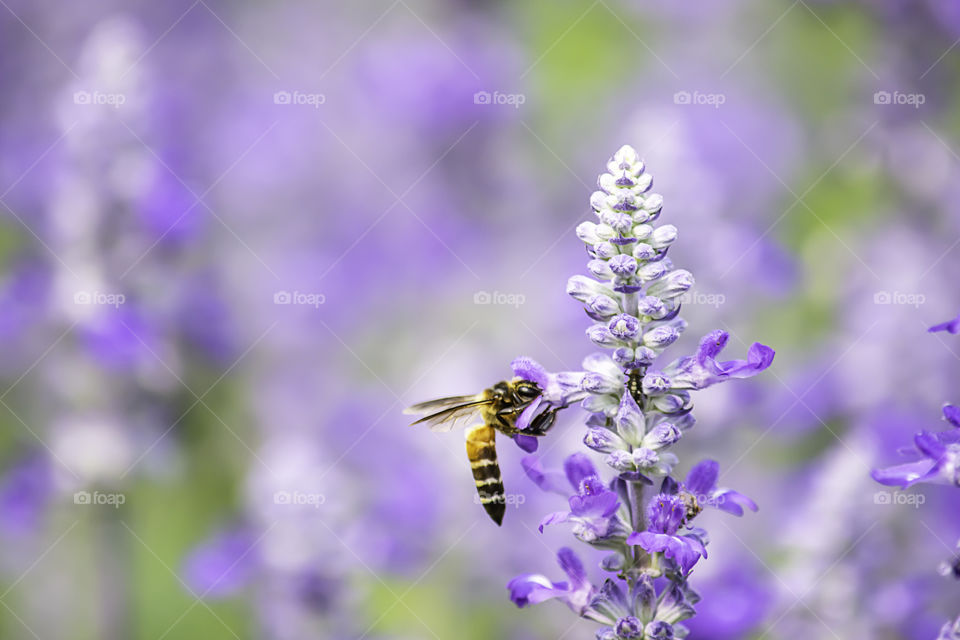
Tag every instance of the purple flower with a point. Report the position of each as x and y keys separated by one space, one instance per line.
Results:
x=701 y=482
x=532 y=588
x=665 y=516
x=593 y=506
x=938 y=457
x=559 y=390
x=702 y=369
x=637 y=414
x=950 y=326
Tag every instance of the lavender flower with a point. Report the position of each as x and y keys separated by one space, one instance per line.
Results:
x=938 y=462
x=700 y=489
x=665 y=515
x=637 y=414
x=938 y=457
x=593 y=507
x=534 y=588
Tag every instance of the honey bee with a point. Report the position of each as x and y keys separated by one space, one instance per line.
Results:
x=498 y=407
x=691 y=504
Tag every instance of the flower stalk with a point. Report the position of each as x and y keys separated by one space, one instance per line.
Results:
x=638 y=410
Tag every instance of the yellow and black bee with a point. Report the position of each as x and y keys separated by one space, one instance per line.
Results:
x=498 y=407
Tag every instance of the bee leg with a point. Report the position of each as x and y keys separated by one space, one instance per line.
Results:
x=542 y=422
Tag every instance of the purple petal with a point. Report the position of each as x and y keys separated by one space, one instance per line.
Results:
x=527 y=443
x=703 y=370
x=703 y=477
x=527 y=415
x=952 y=415
x=710 y=347
x=950 y=326
x=552 y=481
x=904 y=475
x=572 y=566
x=531 y=588
x=669 y=486
x=684 y=549
x=929 y=445
x=688 y=551
x=554 y=518
x=759 y=357
x=530 y=369
x=601 y=505
x=577 y=467
x=733 y=502
x=665 y=513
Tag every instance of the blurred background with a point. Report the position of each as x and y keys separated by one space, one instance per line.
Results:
x=237 y=238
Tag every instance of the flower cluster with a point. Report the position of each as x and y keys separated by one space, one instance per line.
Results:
x=638 y=410
x=936 y=460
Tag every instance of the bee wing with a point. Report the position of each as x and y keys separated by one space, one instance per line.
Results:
x=450 y=417
x=432 y=406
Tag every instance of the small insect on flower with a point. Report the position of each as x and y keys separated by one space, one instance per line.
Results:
x=498 y=407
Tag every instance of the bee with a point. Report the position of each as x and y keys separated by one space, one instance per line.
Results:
x=635 y=385
x=498 y=407
x=691 y=504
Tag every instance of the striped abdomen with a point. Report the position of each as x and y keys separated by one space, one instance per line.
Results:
x=482 y=452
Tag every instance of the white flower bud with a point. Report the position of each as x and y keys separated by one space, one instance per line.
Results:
x=664 y=236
